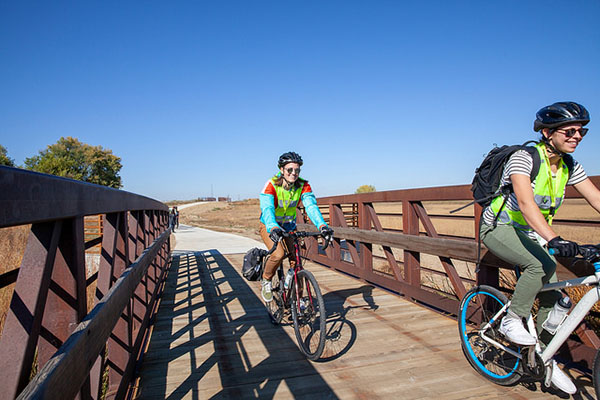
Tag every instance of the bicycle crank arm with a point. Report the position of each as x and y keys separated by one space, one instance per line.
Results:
x=501 y=346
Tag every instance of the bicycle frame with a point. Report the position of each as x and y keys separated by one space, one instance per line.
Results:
x=298 y=267
x=577 y=314
x=568 y=325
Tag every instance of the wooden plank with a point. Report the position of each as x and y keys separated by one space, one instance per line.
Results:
x=212 y=339
x=451 y=248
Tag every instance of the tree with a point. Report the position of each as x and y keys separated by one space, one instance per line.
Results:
x=72 y=159
x=365 y=189
x=4 y=158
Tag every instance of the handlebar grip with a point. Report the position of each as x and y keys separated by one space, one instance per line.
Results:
x=552 y=251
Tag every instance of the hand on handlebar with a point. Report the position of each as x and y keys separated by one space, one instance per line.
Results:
x=327 y=234
x=326 y=231
x=564 y=248
x=276 y=234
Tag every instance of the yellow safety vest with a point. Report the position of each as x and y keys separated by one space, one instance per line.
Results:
x=548 y=194
x=287 y=200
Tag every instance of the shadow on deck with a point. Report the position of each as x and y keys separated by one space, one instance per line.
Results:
x=212 y=339
x=212 y=325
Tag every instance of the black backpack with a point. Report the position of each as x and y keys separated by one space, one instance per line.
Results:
x=486 y=182
x=252 y=267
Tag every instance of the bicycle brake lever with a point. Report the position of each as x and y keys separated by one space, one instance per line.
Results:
x=328 y=239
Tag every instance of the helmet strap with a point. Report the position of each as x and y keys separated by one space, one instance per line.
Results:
x=550 y=147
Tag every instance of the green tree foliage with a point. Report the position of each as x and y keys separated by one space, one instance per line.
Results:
x=72 y=159
x=365 y=189
x=4 y=158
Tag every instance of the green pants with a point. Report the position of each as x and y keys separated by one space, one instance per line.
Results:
x=537 y=268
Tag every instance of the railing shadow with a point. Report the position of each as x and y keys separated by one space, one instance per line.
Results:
x=340 y=331
x=220 y=331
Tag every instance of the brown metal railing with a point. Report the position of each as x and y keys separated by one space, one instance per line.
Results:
x=48 y=327
x=391 y=239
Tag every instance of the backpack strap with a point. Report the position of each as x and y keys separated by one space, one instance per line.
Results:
x=570 y=163
x=535 y=155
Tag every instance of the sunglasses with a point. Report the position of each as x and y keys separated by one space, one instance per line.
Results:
x=290 y=170
x=571 y=132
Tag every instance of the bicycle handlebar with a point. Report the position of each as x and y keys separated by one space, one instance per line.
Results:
x=299 y=234
x=590 y=252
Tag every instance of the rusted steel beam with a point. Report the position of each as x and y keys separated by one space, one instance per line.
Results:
x=66 y=302
x=8 y=278
x=335 y=249
x=366 y=249
x=389 y=254
x=457 y=192
x=457 y=284
x=62 y=376
x=119 y=342
x=32 y=197
x=412 y=259
x=351 y=246
x=459 y=249
x=24 y=319
x=426 y=297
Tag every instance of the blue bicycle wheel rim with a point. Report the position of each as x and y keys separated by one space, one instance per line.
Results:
x=466 y=339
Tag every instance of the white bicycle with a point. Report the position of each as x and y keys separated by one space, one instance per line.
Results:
x=503 y=362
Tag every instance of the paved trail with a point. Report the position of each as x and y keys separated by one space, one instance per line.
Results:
x=189 y=238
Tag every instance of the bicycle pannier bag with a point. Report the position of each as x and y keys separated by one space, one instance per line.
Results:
x=252 y=267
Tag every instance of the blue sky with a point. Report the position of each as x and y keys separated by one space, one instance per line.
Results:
x=205 y=95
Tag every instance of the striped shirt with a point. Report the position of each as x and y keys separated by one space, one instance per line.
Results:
x=521 y=163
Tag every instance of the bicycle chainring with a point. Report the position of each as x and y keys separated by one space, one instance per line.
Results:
x=537 y=371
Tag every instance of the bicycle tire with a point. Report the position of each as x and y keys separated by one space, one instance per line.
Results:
x=477 y=308
x=275 y=307
x=309 y=324
x=596 y=374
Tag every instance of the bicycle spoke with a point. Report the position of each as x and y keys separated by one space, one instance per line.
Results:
x=477 y=309
x=308 y=312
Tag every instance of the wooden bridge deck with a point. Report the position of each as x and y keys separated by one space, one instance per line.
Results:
x=213 y=339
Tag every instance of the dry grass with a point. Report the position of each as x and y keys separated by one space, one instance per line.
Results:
x=12 y=247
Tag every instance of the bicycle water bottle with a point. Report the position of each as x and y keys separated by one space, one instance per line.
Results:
x=288 y=279
x=557 y=315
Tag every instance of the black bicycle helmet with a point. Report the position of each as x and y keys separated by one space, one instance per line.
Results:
x=289 y=157
x=561 y=113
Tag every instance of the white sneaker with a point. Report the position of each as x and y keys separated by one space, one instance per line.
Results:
x=266 y=291
x=513 y=330
x=561 y=381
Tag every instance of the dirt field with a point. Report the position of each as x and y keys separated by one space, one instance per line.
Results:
x=239 y=217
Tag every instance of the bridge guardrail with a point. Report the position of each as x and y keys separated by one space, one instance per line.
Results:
x=48 y=326
x=411 y=235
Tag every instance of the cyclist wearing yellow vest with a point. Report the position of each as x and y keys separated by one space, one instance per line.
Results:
x=278 y=201
x=520 y=229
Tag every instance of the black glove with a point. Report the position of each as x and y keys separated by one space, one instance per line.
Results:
x=326 y=231
x=564 y=248
x=276 y=234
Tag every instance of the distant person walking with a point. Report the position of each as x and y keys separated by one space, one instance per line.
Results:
x=172 y=219
x=176 y=217
x=278 y=201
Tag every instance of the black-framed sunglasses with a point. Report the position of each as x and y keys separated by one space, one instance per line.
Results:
x=290 y=170
x=571 y=132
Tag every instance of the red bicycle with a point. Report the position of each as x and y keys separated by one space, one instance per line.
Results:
x=298 y=292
